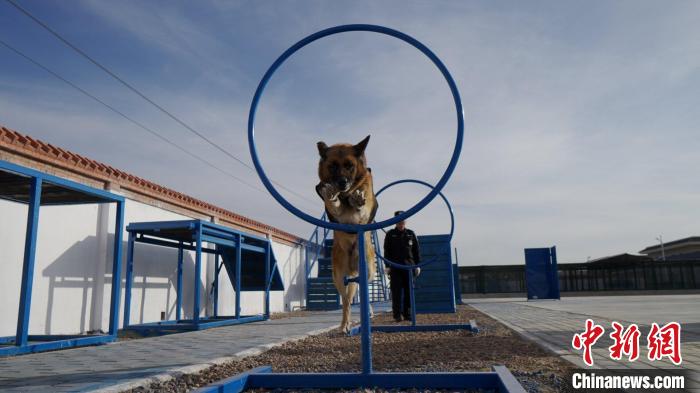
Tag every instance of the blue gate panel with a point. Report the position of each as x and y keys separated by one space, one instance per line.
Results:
x=434 y=288
x=541 y=274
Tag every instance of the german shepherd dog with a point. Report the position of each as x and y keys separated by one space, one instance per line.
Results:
x=346 y=190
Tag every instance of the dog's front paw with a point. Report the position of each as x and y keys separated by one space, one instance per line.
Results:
x=327 y=191
x=356 y=199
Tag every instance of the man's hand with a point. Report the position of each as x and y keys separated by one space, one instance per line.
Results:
x=387 y=270
x=416 y=272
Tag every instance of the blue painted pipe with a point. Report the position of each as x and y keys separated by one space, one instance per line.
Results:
x=366 y=338
x=449 y=239
x=357 y=227
x=360 y=229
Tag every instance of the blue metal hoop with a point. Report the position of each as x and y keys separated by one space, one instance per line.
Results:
x=352 y=228
x=452 y=225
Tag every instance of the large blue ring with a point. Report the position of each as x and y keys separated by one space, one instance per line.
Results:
x=353 y=228
x=449 y=238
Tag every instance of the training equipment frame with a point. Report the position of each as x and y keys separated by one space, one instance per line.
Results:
x=499 y=379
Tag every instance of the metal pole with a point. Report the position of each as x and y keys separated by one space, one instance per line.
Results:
x=268 y=277
x=197 y=274
x=117 y=270
x=216 y=285
x=25 y=299
x=663 y=252
x=413 y=297
x=129 y=279
x=364 y=307
x=178 y=310
x=238 y=276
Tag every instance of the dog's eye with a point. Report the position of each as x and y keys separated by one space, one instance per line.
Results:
x=348 y=165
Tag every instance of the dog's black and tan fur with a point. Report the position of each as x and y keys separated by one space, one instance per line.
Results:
x=346 y=190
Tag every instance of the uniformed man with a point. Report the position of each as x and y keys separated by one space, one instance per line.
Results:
x=401 y=246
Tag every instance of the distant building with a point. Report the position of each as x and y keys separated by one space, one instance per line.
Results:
x=677 y=250
x=620 y=259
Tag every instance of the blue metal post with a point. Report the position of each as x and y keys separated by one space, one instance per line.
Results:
x=238 y=276
x=364 y=307
x=412 y=294
x=129 y=279
x=268 y=277
x=116 y=270
x=306 y=275
x=216 y=285
x=178 y=310
x=197 y=274
x=25 y=299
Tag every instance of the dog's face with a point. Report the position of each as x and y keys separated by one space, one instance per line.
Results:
x=342 y=164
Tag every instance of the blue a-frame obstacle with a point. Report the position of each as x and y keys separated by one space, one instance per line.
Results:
x=500 y=379
x=36 y=189
x=248 y=259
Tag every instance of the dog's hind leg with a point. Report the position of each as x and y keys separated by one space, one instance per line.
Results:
x=350 y=291
x=338 y=280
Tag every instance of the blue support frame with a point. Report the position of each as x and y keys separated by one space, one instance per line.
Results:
x=189 y=235
x=180 y=255
x=500 y=379
x=23 y=342
x=25 y=299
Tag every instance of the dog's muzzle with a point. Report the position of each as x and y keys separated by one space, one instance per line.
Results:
x=343 y=184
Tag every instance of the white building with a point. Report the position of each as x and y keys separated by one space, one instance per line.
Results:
x=72 y=276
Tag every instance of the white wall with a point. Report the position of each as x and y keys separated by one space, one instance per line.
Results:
x=72 y=276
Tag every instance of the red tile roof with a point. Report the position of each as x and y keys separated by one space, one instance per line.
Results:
x=17 y=143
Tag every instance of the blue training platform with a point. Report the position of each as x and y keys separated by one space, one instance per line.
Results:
x=248 y=259
x=35 y=189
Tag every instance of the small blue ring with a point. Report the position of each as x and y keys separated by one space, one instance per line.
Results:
x=449 y=239
x=354 y=228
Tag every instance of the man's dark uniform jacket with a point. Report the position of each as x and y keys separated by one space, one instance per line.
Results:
x=401 y=247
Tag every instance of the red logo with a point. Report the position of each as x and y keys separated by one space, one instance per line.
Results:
x=626 y=343
x=661 y=341
x=586 y=340
x=665 y=342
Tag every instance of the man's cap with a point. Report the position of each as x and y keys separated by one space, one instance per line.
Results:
x=396 y=213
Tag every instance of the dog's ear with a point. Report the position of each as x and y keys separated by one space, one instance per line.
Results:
x=360 y=147
x=322 y=149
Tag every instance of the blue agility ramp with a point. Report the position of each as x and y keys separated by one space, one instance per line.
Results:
x=541 y=273
x=248 y=259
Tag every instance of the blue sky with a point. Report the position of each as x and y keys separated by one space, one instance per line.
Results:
x=582 y=120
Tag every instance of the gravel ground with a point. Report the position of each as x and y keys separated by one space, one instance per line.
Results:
x=536 y=369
